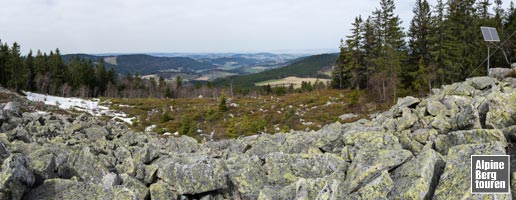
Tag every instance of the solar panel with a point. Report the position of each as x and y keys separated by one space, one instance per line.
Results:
x=494 y=35
x=490 y=34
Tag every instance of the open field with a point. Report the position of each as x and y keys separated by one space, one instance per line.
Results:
x=285 y=82
x=201 y=117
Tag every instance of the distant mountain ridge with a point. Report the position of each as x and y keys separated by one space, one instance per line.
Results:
x=310 y=66
x=145 y=64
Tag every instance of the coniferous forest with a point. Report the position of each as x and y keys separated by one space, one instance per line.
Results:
x=443 y=45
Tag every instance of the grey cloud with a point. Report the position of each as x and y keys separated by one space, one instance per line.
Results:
x=95 y=26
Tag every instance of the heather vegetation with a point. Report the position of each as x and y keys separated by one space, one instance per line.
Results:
x=226 y=117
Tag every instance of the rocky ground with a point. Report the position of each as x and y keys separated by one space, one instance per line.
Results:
x=419 y=149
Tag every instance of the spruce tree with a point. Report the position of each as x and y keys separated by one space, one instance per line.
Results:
x=29 y=66
x=354 y=55
x=436 y=46
x=17 y=70
x=4 y=70
x=419 y=45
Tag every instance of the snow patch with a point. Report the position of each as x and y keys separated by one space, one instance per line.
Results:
x=150 y=128
x=90 y=106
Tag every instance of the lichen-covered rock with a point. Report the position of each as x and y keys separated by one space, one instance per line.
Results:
x=476 y=136
x=467 y=118
x=405 y=102
x=455 y=181
x=434 y=107
x=43 y=164
x=461 y=89
x=4 y=151
x=137 y=187
x=481 y=83
x=162 y=191
x=378 y=188
x=262 y=145
x=194 y=174
x=110 y=180
x=283 y=169
x=86 y=166
x=407 y=120
x=96 y=132
x=423 y=136
x=369 y=164
x=247 y=174
x=408 y=143
x=69 y=189
x=370 y=140
x=441 y=123
x=418 y=177
x=16 y=177
x=502 y=110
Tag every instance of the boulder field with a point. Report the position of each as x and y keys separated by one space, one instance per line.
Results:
x=419 y=149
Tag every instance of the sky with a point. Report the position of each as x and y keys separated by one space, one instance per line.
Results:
x=187 y=26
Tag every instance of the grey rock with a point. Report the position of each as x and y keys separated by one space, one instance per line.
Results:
x=481 y=83
x=96 y=132
x=283 y=169
x=477 y=136
x=12 y=106
x=378 y=188
x=137 y=187
x=247 y=174
x=417 y=178
x=347 y=116
x=162 y=191
x=455 y=181
x=16 y=177
x=500 y=73
x=110 y=180
x=434 y=107
x=407 y=102
x=86 y=166
x=369 y=164
x=194 y=174
x=69 y=189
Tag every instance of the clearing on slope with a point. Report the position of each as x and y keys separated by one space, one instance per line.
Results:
x=295 y=81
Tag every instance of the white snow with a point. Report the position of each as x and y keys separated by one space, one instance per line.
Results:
x=90 y=106
x=150 y=128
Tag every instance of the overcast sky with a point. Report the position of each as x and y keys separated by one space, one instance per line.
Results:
x=130 y=26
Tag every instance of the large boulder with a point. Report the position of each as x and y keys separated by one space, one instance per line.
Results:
x=455 y=181
x=501 y=110
x=69 y=189
x=193 y=174
x=283 y=169
x=16 y=177
x=86 y=166
x=369 y=164
x=135 y=186
x=378 y=188
x=162 y=191
x=417 y=178
x=477 y=136
x=247 y=175
x=481 y=83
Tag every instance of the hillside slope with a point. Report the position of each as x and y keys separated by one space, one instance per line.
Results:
x=145 y=64
x=304 y=67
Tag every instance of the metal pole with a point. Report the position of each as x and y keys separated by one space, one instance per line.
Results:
x=488 y=60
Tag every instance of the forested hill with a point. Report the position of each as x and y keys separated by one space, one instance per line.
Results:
x=311 y=66
x=145 y=64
